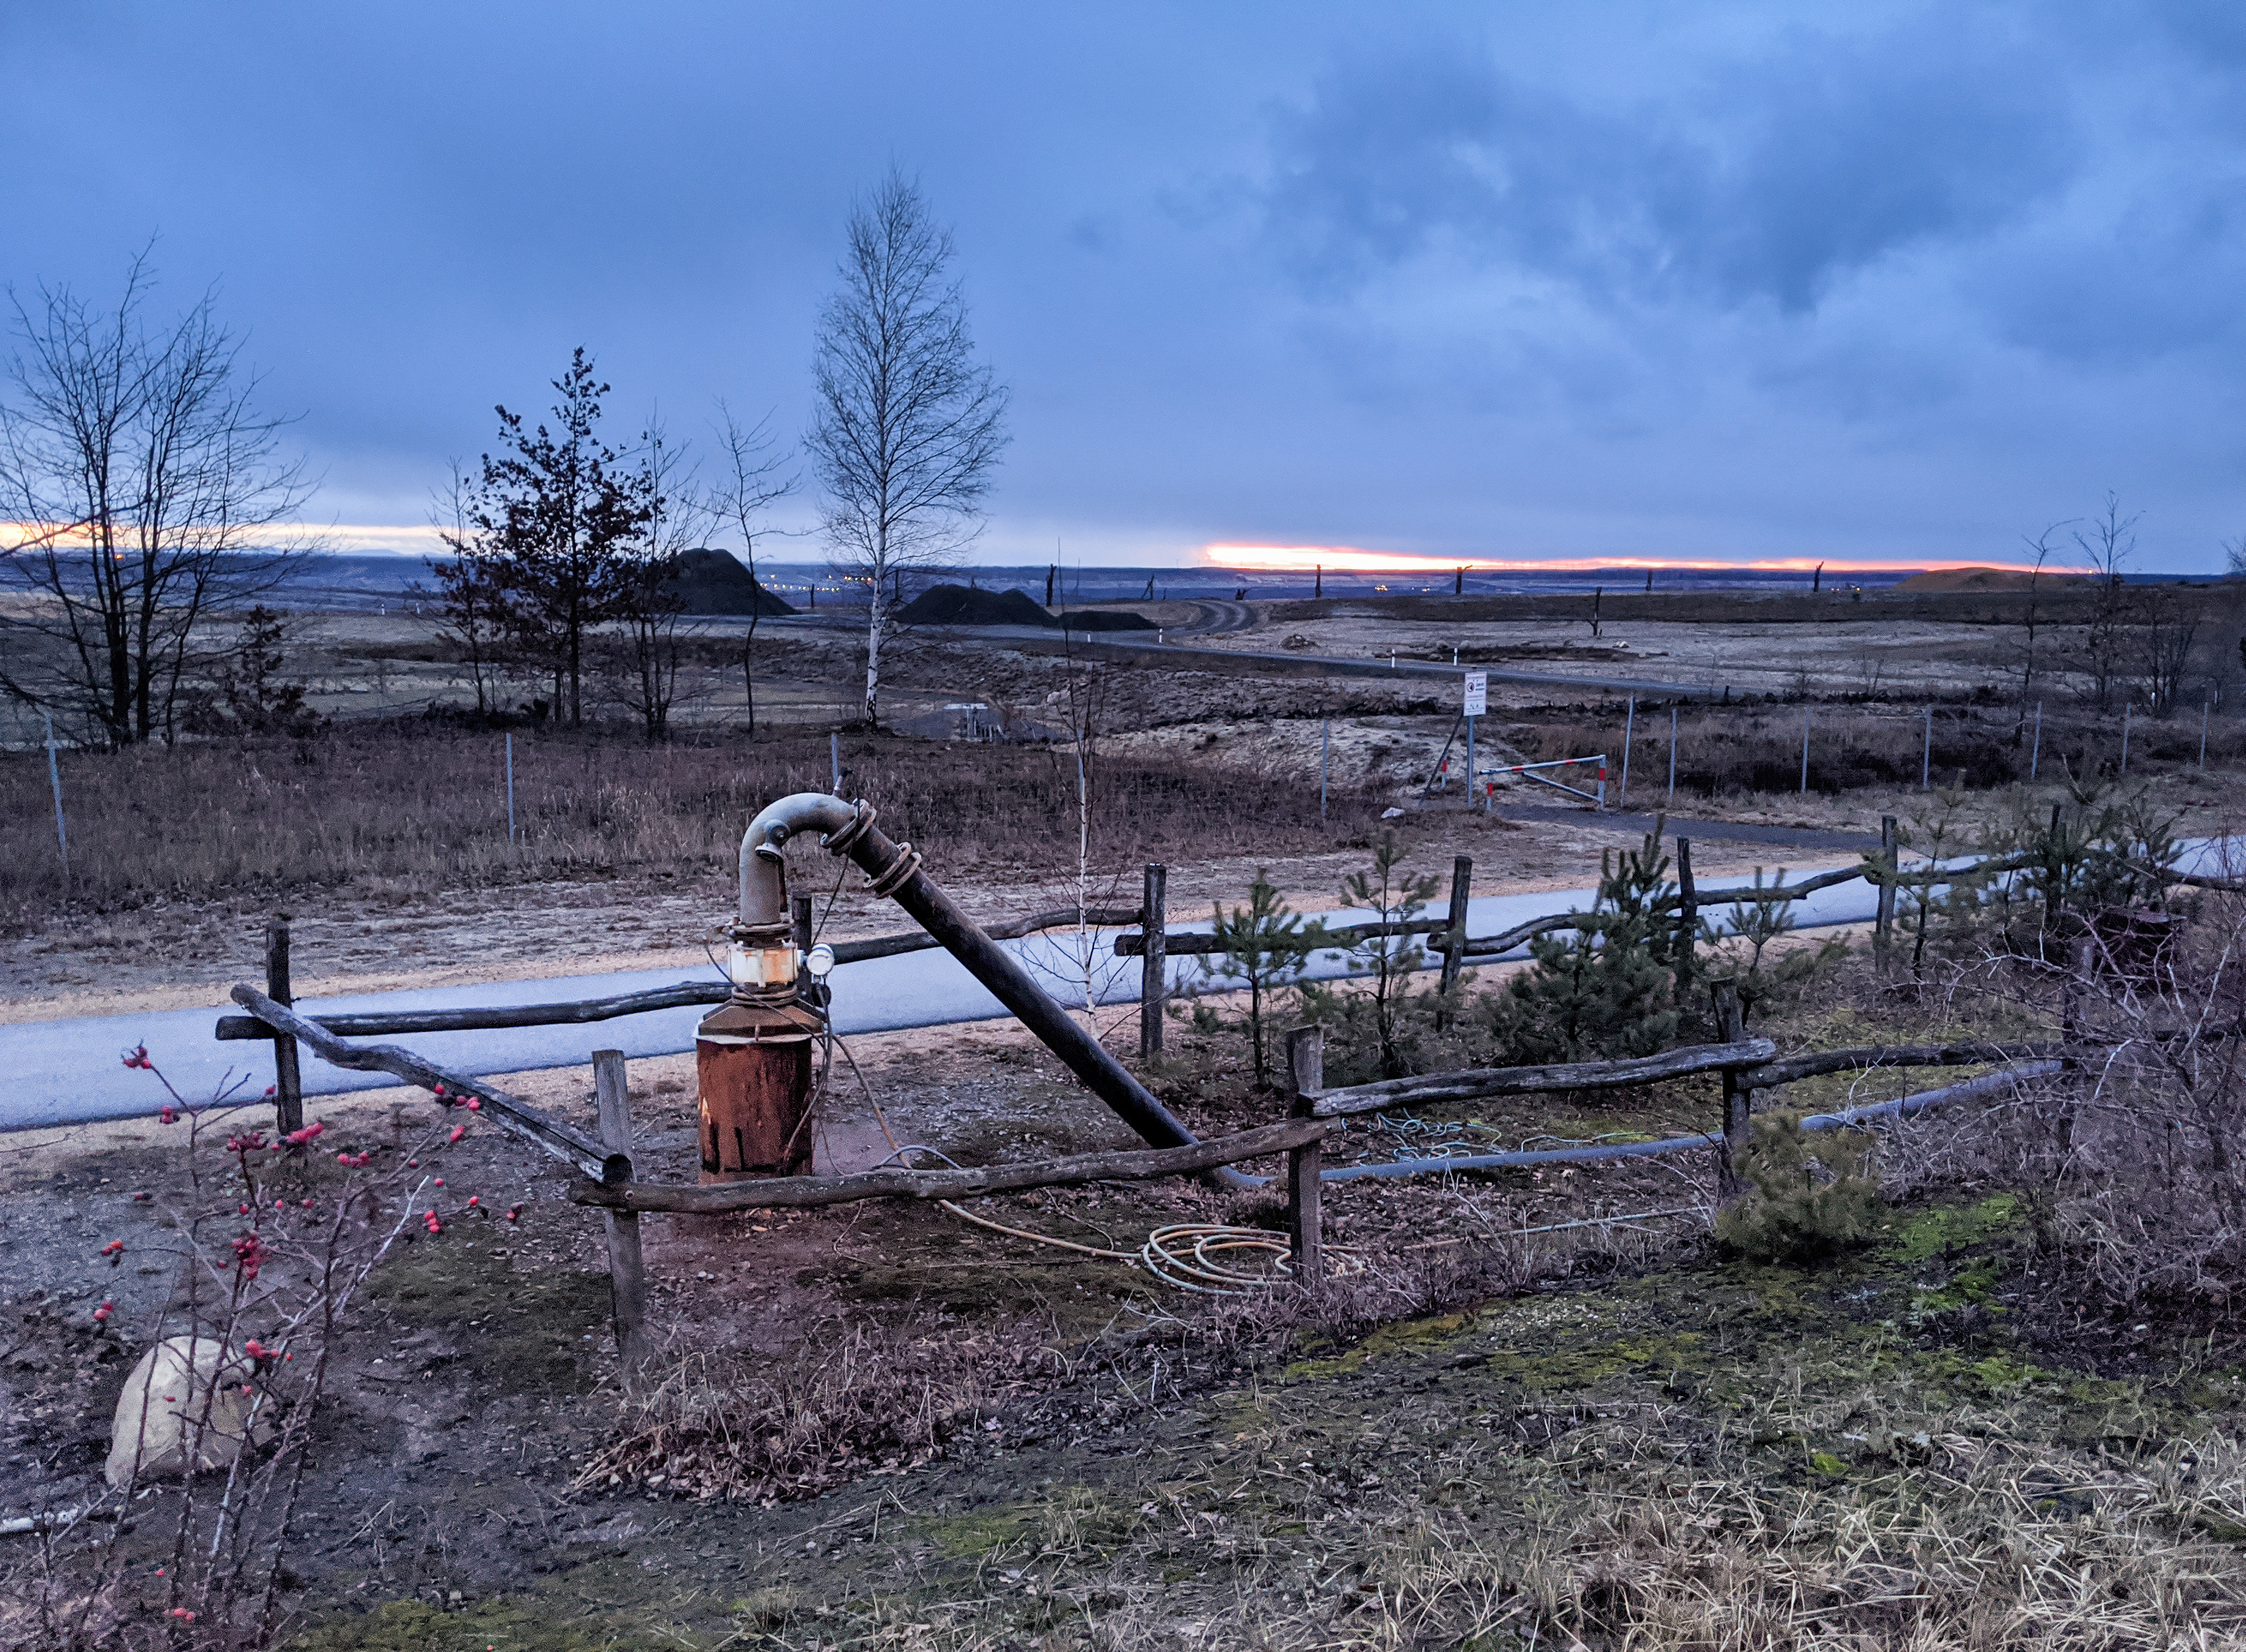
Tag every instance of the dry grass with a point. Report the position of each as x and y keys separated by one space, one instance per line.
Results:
x=768 y=1430
x=427 y=811
x=1637 y=1526
x=1744 y=750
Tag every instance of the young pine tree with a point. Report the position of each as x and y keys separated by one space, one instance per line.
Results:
x=1606 y=991
x=1266 y=944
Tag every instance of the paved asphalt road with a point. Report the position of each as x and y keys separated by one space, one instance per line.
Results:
x=69 y=1071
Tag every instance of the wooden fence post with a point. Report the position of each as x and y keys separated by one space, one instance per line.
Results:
x=287 y=1075
x=627 y=1275
x=1737 y=1098
x=1454 y=936
x=1306 y=1071
x=1153 y=985
x=1883 y=928
x=1688 y=915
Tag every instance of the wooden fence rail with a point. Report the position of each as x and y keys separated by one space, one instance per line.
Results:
x=518 y=1118
x=1474 y=1083
x=686 y=994
x=800 y=1192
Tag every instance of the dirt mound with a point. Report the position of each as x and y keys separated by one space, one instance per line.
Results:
x=710 y=581
x=965 y=605
x=1975 y=578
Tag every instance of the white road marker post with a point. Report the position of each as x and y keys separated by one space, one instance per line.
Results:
x=1926 y=754
x=1672 y=759
x=510 y=789
x=1475 y=705
x=1805 y=751
x=2203 y=710
x=1325 y=758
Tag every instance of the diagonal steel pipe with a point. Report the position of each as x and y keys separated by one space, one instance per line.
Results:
x=894 y=870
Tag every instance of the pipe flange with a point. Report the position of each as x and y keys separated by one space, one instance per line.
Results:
x=899 y=870
x=838 y=842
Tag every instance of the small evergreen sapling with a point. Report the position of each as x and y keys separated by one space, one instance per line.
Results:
x=1608 y=989
x=1265 y=945
x=1808 y=1197
x=1381 y=1033
x=1764 y=978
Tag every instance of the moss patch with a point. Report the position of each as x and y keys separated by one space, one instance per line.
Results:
x=522 y=1333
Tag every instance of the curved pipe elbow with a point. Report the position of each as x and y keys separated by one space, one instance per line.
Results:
x=764 y=879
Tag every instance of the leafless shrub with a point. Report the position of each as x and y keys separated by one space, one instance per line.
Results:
x=269 y=1281
x=2135 y=1163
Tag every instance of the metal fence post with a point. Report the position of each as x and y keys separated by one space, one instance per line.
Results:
x=1926 y=754
x=2203 y=710
x=1325 y=760
x=1805 y=751
x=287 y=1075
x=2035 y=752
x=627 y=1272
x=1306 y=1071
x=1153 y=983
x=1672 y=758
x=834 y=760
x=2128 y=709
x=510 y=788
x=1628 y=728
x=1473 y=776
x=55 y=779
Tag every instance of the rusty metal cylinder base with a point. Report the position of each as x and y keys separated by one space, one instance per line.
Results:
x=756 y=1107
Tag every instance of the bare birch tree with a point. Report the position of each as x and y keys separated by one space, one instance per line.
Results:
x=907 y=426
x=146 y=493
x=757 y=483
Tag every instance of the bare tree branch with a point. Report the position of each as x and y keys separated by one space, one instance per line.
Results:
x=147 y=493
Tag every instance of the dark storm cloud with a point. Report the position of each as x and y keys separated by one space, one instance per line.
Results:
x=1769 y=181
x=1753 y=277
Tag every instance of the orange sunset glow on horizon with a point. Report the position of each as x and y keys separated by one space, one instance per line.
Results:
x=1350 y=559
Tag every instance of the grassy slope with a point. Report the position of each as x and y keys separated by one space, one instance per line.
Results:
x=1705 y=1456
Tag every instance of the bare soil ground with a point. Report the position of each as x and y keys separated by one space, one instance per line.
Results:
x=1607 y=1437
x=1462 y=1443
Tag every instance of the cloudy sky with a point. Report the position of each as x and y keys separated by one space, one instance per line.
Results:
x=1725 y=281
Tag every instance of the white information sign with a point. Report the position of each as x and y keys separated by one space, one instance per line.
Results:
x=1477 y=694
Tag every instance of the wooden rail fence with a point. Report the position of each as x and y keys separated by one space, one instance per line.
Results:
x=1747 y=1068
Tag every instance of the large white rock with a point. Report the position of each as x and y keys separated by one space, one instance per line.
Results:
x=162 y=1423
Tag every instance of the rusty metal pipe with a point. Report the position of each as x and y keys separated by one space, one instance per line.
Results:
x=894 y=870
